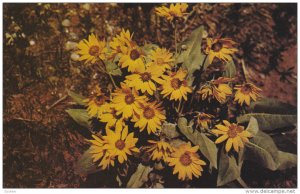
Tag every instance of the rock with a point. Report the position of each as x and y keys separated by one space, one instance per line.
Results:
x=66 y=23
x=75 y=57
x=70 y=45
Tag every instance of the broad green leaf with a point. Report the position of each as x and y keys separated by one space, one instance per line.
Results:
x=77 y=98
x=169 y=129
x=272 y=106
x=80 y=116
x=113 y=68
x=270 y=122
x=85 y=164
x=230 y=69
x=192 y=57
x=252 y=126
x=228 y=169
x=139 y=177
x=207 y=147
x=147 y=48
x=261 y=149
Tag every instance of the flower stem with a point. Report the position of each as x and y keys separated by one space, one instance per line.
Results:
x=105 y=71
x=175 y=36
x=112 y=80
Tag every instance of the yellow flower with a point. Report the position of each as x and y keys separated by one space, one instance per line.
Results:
x=235 y=135
x=111 y=118
x=160 y=59
x=186 y=162
x=160 y=150
x=120 y=43
x=97 y=104
x=144 y=80
x=151 y=116
x=107 y=161
x=126 y=101
x=175 y=85
x=120 y=143
x=218 y=89
x=175 y=11
x=203 y=120
x=220 y=48
x=246 y=92
x=133 y=58
x=99 y=153
x=92 y=49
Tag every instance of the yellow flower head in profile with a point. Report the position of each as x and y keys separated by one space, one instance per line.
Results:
x=133 y=58
x=175 y=85
x=99 y=153
x=120 y=43
x=186 y=162
x=218 y=89
x=97 y=104
x=246 y=92
x=126 y=101
x=111 y=118
x=235 y=135
x=144 y=80
x=151 y=116
x=161 y=59
x=92 y=49
x=120 y=143
x=174 y=11
x=221 y=48
x=203 y=120
x=160 y=150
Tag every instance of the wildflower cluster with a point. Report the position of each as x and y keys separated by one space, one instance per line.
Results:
x=157 y=90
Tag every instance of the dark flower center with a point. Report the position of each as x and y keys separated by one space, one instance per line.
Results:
x=120 y=144
x=145 y=76
x=217 y=46
x=239 y=129
x=246 y=89
x=129 y=99
x=149 y=113
x=134 y=54
x=185 y=159
x=94 y=50
x=176 y=83
x=99 y=100
x=232 y=132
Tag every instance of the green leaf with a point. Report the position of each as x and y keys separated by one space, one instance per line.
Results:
x=207 y=147
x=113 y=68
x=228 y=169
x=272 y=106
x=147 y=48
x=261 y=149
x=270 y=122
x=169 y=129
x=85 y=164
x=80 y=116
x=77 y=98
x=192 y=58
x=252 y=126
x=139 y=177
x=230 y=69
